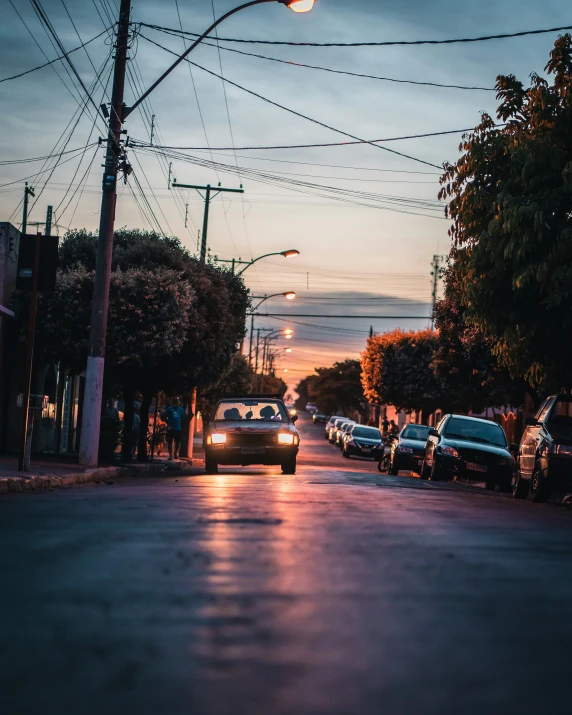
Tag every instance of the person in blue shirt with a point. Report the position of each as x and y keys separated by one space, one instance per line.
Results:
x=173 y=416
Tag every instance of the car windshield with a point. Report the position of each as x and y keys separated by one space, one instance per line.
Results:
x=366 y=433
x=560 y=421
x=251 y=410
x=347 y=426
x=418 y=432
x=474 y=431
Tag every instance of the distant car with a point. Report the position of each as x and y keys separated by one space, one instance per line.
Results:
x=332 y=432
x=318 y=417
x=251 y=430
x=545 y=451
x=311 y=407
x=470 y=448
x=408 y=450
x=342 y=430
x=330 y=425
x=362 y=441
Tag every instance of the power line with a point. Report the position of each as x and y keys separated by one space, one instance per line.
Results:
x=354 y=317
x=343 y=72
x=50 y=28
x=391 y=43
x=57 y=59
x=426 y=135
x=295 y=113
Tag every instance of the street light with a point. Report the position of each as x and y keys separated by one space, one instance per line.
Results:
x=289 y=295
x=116 y=157
x=299 y=5
x=287 y=254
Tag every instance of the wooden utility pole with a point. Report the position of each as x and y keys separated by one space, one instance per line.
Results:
x=91 y=416
x=211 y=192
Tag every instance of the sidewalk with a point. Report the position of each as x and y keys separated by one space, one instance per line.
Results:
x=48 y=472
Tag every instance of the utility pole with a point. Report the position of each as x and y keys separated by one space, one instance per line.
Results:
x=208 y=197
x=28 y=191
x=437 y=273
x=91 y=417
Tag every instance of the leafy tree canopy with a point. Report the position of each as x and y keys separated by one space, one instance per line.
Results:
x=396 y=370
x=334 y=389
x=510 y=199
x=468 y=372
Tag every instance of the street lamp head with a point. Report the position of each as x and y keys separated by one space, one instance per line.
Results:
x=288 y=350
x=291 y=253
x=290 y=295
x=299 y=5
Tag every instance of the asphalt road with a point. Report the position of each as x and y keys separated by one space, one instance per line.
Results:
x=337 y=591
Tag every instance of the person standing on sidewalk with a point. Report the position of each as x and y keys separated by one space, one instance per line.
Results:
x=173 y=416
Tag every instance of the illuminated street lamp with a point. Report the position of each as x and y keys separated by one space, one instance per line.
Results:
x=289 y=295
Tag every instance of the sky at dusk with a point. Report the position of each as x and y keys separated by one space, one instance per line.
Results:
x=367 y=222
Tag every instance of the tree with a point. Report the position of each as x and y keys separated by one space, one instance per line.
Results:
x=510 y=199
x=174 y=323
x=237 y=380
x=334 y=389
x=397 y=370
x=469 y=373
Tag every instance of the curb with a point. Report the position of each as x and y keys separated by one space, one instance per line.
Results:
x=100 y=474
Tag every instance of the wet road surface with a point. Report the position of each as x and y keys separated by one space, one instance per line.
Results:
x=336 y=591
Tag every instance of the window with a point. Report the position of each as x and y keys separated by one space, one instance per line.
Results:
x=366 y=432
x=543 y=411
x=475 y=431
x=418 y=432
x=251 y=410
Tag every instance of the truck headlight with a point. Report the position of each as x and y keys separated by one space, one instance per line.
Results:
x=217 y=438
x=285 y=438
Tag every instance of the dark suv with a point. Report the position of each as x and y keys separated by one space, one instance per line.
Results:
x=470 y=448
x=545 y=452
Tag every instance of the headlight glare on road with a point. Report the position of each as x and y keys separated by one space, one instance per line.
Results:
x=285 y=438
x=217 y=438
x=405 y=450
x=449 y=451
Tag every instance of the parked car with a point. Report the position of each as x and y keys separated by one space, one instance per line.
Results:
x=362 y=441
x=470 y=448
x=337 y=421
x=408 y=450
x=330 y=425
x=311 y=407
x=544 y=461
x=342 y=430
x=318 y=417
x=251 y=430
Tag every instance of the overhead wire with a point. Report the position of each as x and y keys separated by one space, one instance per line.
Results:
x=49 y=28
x=231 y=133
x=341 y=72
x=57 y=59
x=388 y=43
x=294 y=112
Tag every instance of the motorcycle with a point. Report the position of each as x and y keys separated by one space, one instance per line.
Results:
x=385 y=461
